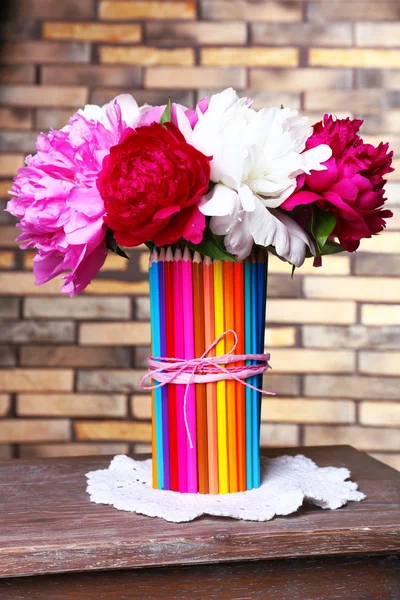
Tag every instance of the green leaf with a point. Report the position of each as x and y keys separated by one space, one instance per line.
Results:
x=149 y=246
x=211 y=246
x=166 y=116
x=331 y=247
x=282 y=107
x=112 y=245
x=322 y=225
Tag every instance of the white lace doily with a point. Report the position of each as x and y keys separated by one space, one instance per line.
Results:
x=286 y=482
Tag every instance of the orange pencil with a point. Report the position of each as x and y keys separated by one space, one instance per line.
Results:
x=240 y=389
x=201 y=397
x=211 y=388
x=229 y=300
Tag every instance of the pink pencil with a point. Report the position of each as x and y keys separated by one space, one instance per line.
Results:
x=188 y=322
x=180 y=353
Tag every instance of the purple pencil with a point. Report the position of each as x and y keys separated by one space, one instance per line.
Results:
x=180 y=389
x=164 y=390
x=188 y=320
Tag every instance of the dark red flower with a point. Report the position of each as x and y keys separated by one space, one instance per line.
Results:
x=151 y=184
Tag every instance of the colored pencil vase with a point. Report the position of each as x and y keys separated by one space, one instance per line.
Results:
x=206 y=436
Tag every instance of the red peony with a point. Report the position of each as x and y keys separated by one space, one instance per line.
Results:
x=352 y=185
x=151 y=184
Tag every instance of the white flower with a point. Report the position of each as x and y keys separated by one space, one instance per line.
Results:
x=130 y=111
x=256 y=159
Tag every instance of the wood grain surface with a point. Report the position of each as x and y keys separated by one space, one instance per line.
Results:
x=326 y=578
x=48 y=524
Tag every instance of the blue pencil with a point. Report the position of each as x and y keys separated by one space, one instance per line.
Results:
x=247 y=350
x=254 y=380
x=164 y=389
x=156 y=351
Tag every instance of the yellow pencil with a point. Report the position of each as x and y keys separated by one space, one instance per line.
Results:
x=222 y=426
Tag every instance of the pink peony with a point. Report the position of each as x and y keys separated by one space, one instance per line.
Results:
x=352 y=185
x=56 y=198
x=152 y=114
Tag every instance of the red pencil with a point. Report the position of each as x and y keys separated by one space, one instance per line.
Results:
x=172 y=417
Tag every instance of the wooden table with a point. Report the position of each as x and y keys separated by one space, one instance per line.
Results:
x=82 y=550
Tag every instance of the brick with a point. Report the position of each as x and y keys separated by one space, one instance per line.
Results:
x=17 y=74
x=8 y=356
x=77 y=449
x=283 y=385
x=46 y=52
x=280 y=286
x=23 y=284
x=34 y=430
x=378 y=78
x=392 y=190
x=199 y=33
x=395 y=176
x=365 y=264
x=78 y=308
x=388 y=242
x=141 y=406
x=280 y=336
x=36 y=380
x=393 y=460
x=355 y=10
x=278 y=435
x=142 y=448
x=22 y=332
x=375 y=140
x=363 y=438
x=112 y=430
x=92 y=75
x=379 y=363
x=194 y=77
x=300 y=79
x=109 y=380
x=17 y=141
x=140 y=356
x=9 y=308
x=153 y=97
x=52 y=117
x=301 y=360
x=92 y=32
x=146 y=56
x=353 y=288
x=273 y=98
x=302 y=410
x=254 y=56
x=140 y=9
x=247 y=10
x=41 y=95
x=380 y=34
x=71 y=405
x=9 y=164
x=6 y=452
x=15 y=118
x=5 y=186
x=300 y=34
x=374 y=101
x=8 y=234
x=308 y=311
x=352 y=386
x=353 y=57
x=74 y=356
x=115 y=262
x=106 y=334
x=380 y=413
x=354 y=336
x=332 y=265
x=18 y=30
x=5 y=404
x=380 y=314
x=48 y=9
x=6 y=260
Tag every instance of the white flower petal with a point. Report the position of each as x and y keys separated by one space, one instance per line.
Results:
x=219 y=202
x=238 y=239
x=129 y=109
x=312 y=159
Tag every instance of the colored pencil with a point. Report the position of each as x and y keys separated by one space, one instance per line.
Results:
x=201 y=396
x=179 y=389
x=188 y=323
x=248 y=350
x=229 y=315
x=163 y=349
x=211 y=388
x=223 y=480
x=170 y=352
x=254 y=380
x=156 y=351
x=240 y=389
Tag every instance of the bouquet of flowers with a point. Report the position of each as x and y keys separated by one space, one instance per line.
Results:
x=220 y=179
x=211 y=192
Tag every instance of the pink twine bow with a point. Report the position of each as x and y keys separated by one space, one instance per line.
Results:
x=206 y=369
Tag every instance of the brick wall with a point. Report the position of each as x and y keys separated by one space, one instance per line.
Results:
x=70 y=368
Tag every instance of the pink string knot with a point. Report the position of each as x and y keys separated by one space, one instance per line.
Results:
x=206 y=369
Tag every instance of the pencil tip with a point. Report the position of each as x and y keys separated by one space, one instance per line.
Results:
x=178 y=253
x=169 y=256
x=197 y=257
x=207 y=260
x=186 y=254
x=153 y=256
x=162 y=254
